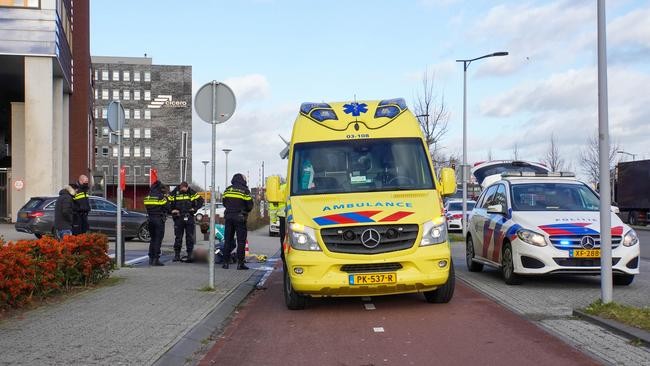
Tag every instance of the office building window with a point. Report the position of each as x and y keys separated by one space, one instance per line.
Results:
x=126 y=94
x=147 y=76
x=136 y=95
x=136 y=151
x=147 y=152
x=136 y=114
x=105 y=170
x=104 y=112
x=105 y=151
x=96 y=113
x=116 y=75
x=136 y=76
x=115 y=171
x=136 y=133
x=127 y=133
x=146 y=170
x=126 y=76
x=115 y=150
x=147 y=114
x=105 y=75
x=147 y=133
x=116 y=94
x=127 y=113
x=137 y=171
x=105 y=94
x=104 y=131
x=96 y=132
x=96 y=74
x=127 y=151
x=147 y=95
x=96 y=93
x=96 y=150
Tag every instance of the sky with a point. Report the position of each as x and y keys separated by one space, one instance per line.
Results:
x=276 y=54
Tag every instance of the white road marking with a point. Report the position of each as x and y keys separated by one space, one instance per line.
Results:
x=370 y=306
x=366 y=299
x=136 y=260
x=378 y=329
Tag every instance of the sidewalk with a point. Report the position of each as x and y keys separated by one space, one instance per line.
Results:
x=133 y=322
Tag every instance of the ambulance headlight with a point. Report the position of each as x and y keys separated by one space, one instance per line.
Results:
x=435 y=232
x=531 y=237
x=630 y=239
x=303 y=237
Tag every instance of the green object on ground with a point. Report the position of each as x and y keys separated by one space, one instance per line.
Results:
x=630 y=315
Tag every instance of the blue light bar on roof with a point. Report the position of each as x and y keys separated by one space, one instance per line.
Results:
x=308 y=107
x=390 y=108
x=323 y=114
x=396 y=101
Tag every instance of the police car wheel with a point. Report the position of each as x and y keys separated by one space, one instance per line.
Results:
x=469 y=256
x=623 y=280
x=444 y=293
x=143 y=232
x=508 y=267
x=294 y=300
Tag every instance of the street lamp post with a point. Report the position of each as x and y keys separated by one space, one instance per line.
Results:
x=626 y=153
x=465 y=167
x=205 y=174
x=226 y=151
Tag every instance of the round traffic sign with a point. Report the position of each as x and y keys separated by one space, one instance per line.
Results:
x=115 y=116
x=19 y=184
x=215 y=102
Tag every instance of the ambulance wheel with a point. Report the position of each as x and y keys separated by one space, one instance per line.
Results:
x=623 y=280
x=294 y=300
x=469 y=257
x=444 y=293
x=508 y=266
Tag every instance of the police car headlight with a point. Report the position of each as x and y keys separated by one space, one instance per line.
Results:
x=630 y=238
x=531 y=237
x=435 y=232
x=303 y=237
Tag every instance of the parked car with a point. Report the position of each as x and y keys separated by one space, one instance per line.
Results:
x=205 y=211
x=528 y=223
x=454 y=213
x=37 y=217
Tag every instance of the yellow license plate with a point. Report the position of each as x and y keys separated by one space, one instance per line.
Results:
x=373 y=279
x=585 y=253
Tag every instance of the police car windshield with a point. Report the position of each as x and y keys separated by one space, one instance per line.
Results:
x=360 y=166
x=553 y=197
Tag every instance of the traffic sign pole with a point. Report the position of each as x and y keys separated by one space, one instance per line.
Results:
x=212 y=198
x=116 y=124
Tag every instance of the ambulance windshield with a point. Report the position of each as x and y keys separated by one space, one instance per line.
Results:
x=360 y=166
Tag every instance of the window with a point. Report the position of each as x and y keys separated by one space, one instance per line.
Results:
x=147 y=95
x=96 y=74
x=126 y=94
x=127 y=170
x=136 y=151
x=105 y=94
x=104 y=131
x=486 y=200
x=126 y=76
x=146 y=170
x=116 y=75
x=115 y=151
x=137 y=171
x=127 y=113
x=147 y=76
x=136 y=95
x=127 y=151
x=147 y=152
x=96 y=132
x=105 y=168
x=116 y=94
x=96 y=93
x=96 y=151
x=136 y=114
x=147 y=133
x=115 y=171
x=136 y=76
x=500 y=197
x=136 y=133
x=104 y=112
x=127 y=133
x=553 y=197
x=105 y=75
x=96 y=113
x=147 y=114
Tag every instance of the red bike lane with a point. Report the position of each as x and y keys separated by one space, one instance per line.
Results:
x=389 y=330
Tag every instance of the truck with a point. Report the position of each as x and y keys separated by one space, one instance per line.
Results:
x=364 y=206
x=632 y=191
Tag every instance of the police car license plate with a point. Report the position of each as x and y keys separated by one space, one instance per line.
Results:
x=585 y=253
x=373 y=279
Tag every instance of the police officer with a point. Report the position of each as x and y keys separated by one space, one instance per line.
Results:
x=183 y=203
x=81 y=207
x=157 y=206
x=238 y=202
x=282 y=217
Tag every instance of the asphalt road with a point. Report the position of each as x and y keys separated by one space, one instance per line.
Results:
x=389 y=330
x=644 y=239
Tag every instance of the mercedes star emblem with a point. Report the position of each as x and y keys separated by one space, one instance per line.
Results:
x=588 y=242
x=370 y=238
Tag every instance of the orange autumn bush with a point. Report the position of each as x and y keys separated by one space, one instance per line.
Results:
x=37 y=268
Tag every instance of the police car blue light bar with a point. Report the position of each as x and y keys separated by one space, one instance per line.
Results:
x=538 y=175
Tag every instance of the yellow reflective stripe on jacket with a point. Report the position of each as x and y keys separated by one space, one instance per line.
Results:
x=232 y=194
x=81 y=195
x=154 y=201
x=195 y=196
x=182 y=197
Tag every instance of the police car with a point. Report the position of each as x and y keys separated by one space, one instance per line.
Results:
x=545 y=223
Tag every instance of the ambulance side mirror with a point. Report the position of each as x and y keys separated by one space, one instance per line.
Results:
x=447 y=182
x=273 y=192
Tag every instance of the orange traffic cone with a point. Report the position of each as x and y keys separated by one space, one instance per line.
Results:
x=247 y=253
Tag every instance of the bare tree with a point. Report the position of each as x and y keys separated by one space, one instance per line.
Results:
x=515 y=152
x=552 y=158
x=432 y=113
x=589 y=158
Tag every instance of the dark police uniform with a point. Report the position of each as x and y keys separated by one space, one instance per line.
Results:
x=238 y=203
x=157 y=206
x=186 y=203
x=81 y=210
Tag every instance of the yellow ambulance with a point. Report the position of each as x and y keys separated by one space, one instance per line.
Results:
x=364 y=205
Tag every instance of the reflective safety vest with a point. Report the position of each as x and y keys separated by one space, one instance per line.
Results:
x=282 y=205
x=156 y=205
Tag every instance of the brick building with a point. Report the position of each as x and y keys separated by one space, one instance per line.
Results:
x=157 y=100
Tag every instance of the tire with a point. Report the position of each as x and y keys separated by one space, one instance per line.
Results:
x=444 y=293
x=508 y=266
x=632 y=218
x=198 y=217
x=623 y=280
x=143 y=232
x=294 y=300
x=38 y=235
x=469 y=256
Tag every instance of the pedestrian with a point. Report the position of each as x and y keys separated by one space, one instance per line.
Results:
x=81 y=207
x=238 y=203
x=157 y=206
x=184 y=202
x=282 y=217
x=64 y=211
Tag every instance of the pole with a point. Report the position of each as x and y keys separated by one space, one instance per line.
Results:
x=212 y=203
x=464 y=170
x=603 y=154
x=226 y=151
x=118 y=239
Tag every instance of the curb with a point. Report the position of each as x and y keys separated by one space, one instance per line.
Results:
x=642 y=228
x=194 y=340
x=625 y=330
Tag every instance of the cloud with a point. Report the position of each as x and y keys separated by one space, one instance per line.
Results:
x=249 y=88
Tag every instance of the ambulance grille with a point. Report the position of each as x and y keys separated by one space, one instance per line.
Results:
x=566 y=242
x=375 y=267
x=348 y=239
